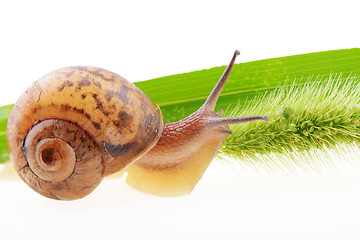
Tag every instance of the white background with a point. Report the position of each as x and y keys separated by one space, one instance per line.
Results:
x=146 y=39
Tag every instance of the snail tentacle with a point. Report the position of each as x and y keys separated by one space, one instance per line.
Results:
x=224 y=121
x=211 y=101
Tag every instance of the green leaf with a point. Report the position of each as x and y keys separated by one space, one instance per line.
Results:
x=181 y=94
x=4 y=114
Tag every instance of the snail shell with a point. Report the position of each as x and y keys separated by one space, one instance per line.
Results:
x=76 y=125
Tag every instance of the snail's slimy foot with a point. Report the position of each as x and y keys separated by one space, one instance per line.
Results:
x=184 y=151
x=177 y=180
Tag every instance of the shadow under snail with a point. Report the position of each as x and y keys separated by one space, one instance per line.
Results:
x=76 y=125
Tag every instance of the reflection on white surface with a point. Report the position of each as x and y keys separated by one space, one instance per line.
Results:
x=227 y=201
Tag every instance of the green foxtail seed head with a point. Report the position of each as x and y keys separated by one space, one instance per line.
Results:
x=319 y=114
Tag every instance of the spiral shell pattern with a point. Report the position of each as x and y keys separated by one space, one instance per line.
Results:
x=76 y=125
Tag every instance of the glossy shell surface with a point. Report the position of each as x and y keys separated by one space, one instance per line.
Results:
x=121 y=120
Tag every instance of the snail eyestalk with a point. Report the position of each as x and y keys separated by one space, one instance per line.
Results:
x=223 y=121
x=215 y=93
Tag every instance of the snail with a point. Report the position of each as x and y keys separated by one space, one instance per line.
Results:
x=77 y=125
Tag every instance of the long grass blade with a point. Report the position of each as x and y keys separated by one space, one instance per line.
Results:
x=249 y=83
x=4 y=114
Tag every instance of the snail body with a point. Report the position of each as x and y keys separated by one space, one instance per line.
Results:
x=76 y=125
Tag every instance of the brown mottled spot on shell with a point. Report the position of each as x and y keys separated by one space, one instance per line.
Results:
x=107 y=113
x=117 y=150
x=120 y=127
x=121 y=95
x=99 y=104
x=83 y=138
x=117 y=123
x=78 y=110
x=66 y=83
x=68 y=131
x=125 y=119
x=96 y=125
x=98 y=84
x=83 y=96
x=84 y=82
x=65 y=107
x=96 y=73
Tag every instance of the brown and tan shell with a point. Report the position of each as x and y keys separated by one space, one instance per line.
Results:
x=76 y=125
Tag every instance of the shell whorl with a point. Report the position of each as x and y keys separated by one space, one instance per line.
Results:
x=77 y=124
x=64 y=162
